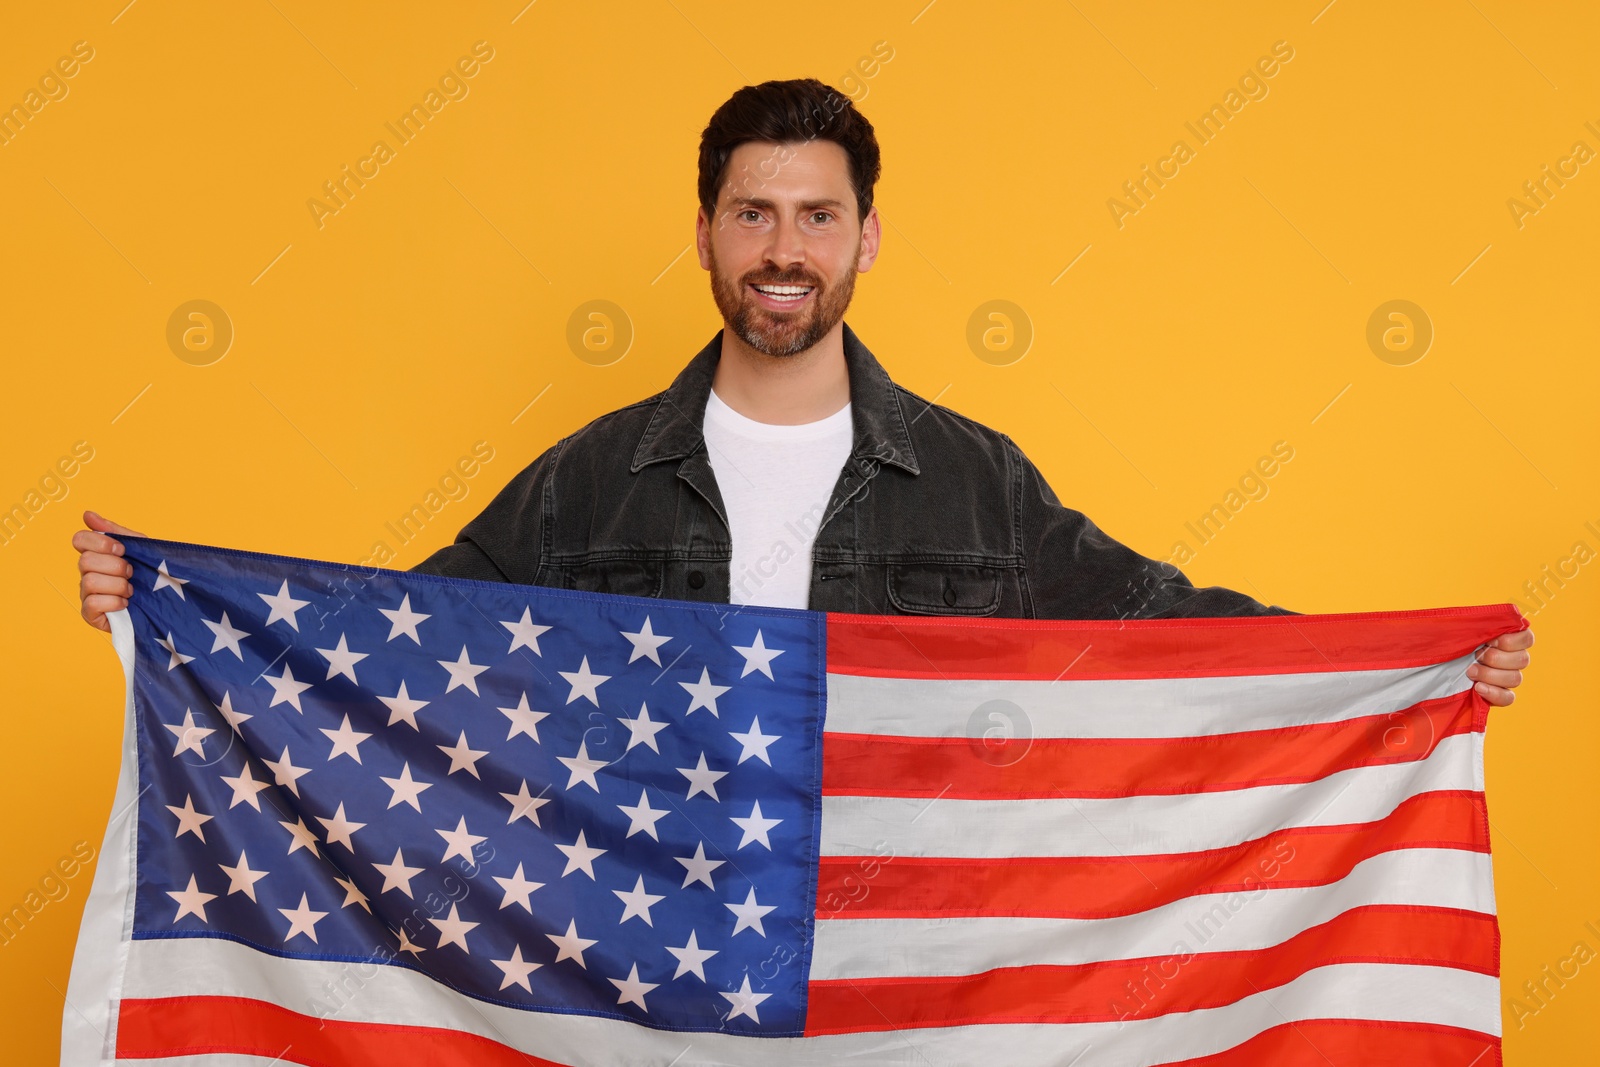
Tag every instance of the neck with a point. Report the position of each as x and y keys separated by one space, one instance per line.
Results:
x=783 y=390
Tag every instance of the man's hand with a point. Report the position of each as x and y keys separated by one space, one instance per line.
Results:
x=1499 y=667
x=104 y=586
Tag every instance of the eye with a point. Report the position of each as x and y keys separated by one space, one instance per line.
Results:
x=823 y=215
x=750 y=211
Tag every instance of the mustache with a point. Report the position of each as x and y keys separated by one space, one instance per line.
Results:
x=784 y=281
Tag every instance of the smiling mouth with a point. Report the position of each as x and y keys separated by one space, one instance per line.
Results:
x=782 y=295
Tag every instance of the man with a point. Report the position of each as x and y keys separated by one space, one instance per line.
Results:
x=782 y=466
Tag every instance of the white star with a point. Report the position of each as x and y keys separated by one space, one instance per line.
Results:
x=462 y=672
x=691 y=958
x=645 y=643
x=340 y=828
x=755 y=827
x=402 y=707
x=525 y=633
x=191 y=738
x=749 y=914
x=743 y=1002
x=517 y=890
x=643 y=730
x=242 y=879
x=525 y=805
x=453 y=930
x=755 y=742
x=704 y=693
x=341 y=660
x=584 y=683
x=302 y=920
x=227 y=636
x=283 y=607
x=245 y=788
x=405 y=788
x=637 y=903
x=582 y=767
x=702 y=779
x=406 y=944
x=189 y=820
x=571 y=945
x=352 y=895
x=285 y=690
x=757 y=656
x=346 y=742
x=524 y=720
x=516 y=969
x=460 y=842
x=697 y=868
x=580 y=856
x=631 y=990
x=403 y=620
x=165 y=580
x=235 y=718
x=285 y=773
x=300 y=836
x=178 y=658
x=463 y=757
x=191 y=901
x=642 y=816
x=397 y=875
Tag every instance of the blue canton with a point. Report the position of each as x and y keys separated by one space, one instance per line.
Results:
x=546 y=799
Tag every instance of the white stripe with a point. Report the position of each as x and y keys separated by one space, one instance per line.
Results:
x=1219 y=922
x=89 y=1015
x=1140 y=707
x=1439 y=995
x=1139 y=825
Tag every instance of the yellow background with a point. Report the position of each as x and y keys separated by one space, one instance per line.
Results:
x=1226 y=315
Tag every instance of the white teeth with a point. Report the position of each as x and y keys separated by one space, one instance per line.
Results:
x=785 y=290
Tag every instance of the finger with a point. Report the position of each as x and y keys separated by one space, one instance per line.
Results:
x=1495 y=695
x=1512 y=642
x=1494 y=657
x=95 y=608
x=100 y=563
x=109 y=584
x=96 y=521
x=1506 y=679
x=89 y=541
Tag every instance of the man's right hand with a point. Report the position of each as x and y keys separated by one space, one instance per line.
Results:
x=105 y=584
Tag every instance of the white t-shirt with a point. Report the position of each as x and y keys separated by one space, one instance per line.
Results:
x=775 y=483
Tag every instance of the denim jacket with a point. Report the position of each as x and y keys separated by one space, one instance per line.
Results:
x=933 y=514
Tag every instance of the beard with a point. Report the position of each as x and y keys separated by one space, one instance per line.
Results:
x=781 y=333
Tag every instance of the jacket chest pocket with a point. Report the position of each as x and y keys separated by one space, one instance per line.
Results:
x=628 y=577
x=944 y=588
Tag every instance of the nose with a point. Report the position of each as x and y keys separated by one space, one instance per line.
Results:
x=788 y=248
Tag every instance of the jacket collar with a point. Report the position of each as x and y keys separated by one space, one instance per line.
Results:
x=675 y=429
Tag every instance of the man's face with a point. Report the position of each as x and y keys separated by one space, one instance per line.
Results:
x=786 y=218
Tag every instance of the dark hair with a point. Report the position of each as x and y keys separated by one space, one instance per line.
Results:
x=802 y=109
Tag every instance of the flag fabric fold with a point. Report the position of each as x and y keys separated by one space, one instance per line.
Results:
x=369 y=816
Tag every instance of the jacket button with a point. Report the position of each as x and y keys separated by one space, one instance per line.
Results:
x=949 y=594
x=696 y=579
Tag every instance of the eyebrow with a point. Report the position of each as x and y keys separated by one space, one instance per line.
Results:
x=745 y=201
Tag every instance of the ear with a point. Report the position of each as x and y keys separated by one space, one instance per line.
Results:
x=702 y=238
x=871 y=234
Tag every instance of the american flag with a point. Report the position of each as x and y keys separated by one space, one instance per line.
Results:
x=376 y=817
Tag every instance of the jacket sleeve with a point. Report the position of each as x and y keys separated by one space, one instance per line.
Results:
x=1076 y=571
x=509 y=538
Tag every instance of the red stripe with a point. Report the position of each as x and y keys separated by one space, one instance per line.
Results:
x=895 y=887
x=1320 y=1042
x=1101 y=992
x=196 y=1026
x=943 y=647
x=965 y=768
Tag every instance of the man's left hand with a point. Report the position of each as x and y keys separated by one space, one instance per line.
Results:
x=1500 y=665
